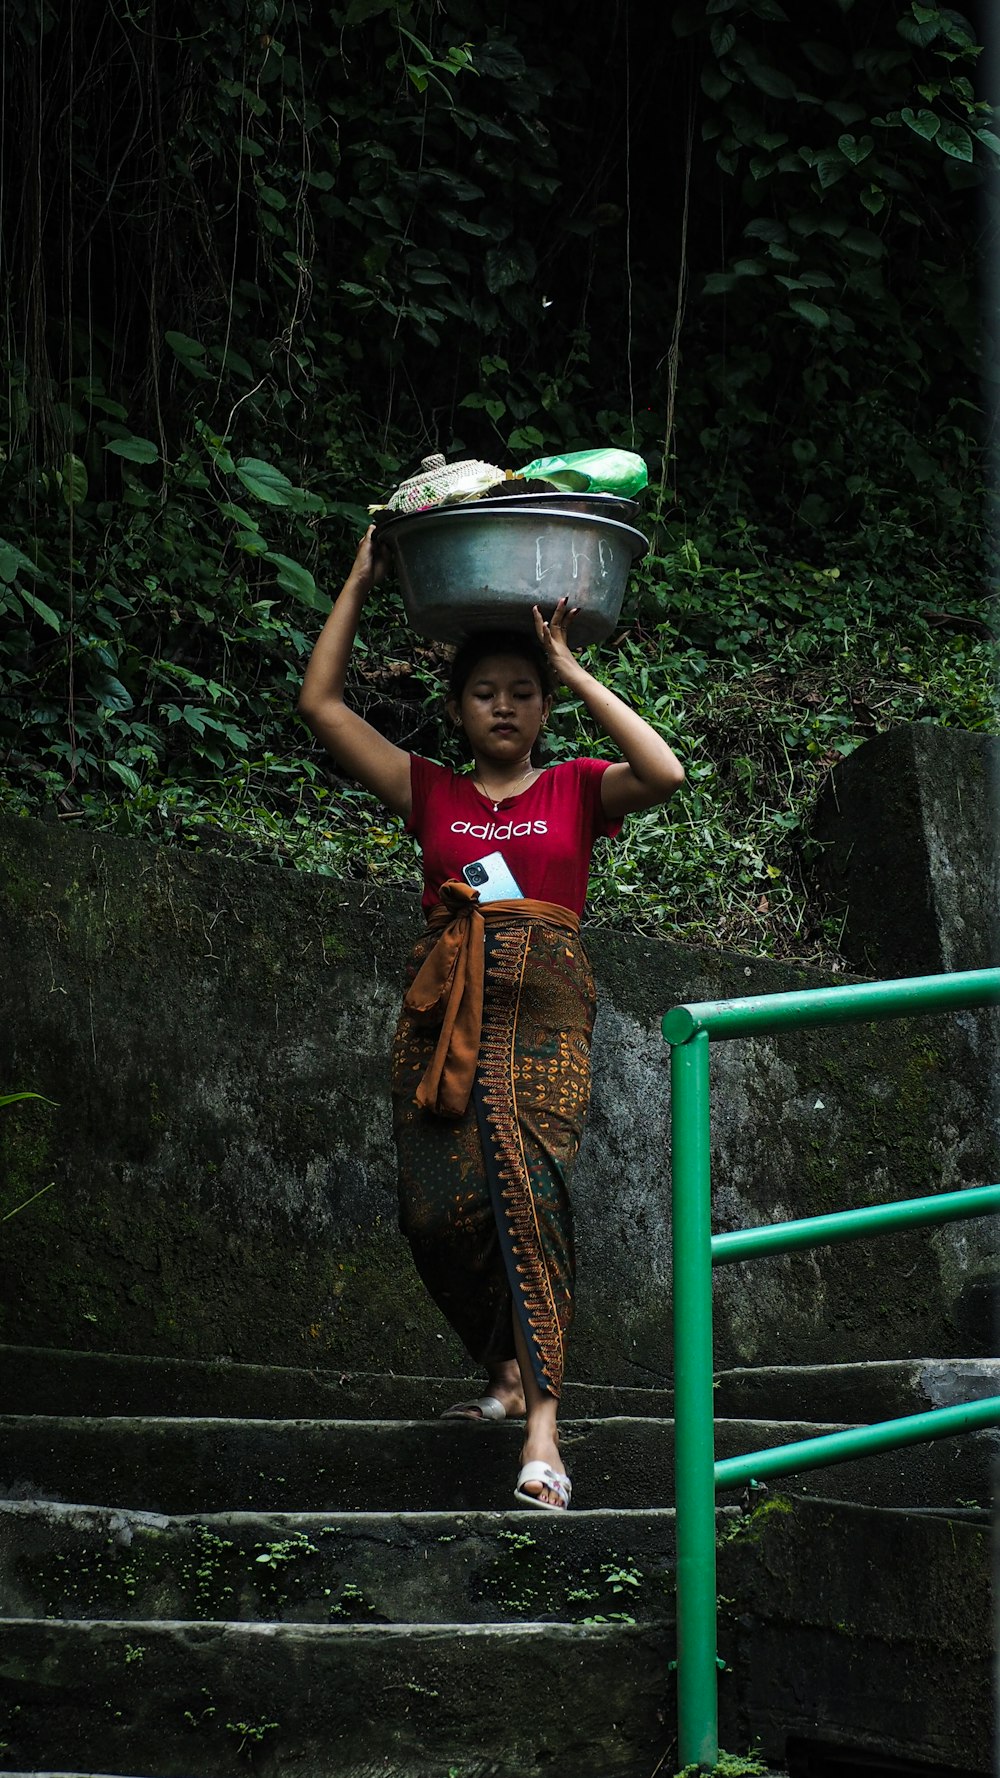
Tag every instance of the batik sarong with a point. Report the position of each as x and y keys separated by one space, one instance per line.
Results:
x=484 y=1191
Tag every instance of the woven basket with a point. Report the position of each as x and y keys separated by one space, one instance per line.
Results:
x=438 y=481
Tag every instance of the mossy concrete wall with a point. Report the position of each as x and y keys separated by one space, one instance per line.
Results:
x=908 y=825
x=215 y=1036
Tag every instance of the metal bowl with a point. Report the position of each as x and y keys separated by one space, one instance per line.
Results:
x=484 y=565
x=611 y=506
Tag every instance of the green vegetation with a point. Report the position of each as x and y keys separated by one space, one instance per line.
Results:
x=261 y=259
x=284 y=1550
x=250 y=1734
x=729 y=1765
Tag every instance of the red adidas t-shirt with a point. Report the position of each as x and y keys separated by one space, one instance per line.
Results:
x=545 y=834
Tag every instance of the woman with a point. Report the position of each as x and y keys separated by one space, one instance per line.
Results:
x=491 y=1071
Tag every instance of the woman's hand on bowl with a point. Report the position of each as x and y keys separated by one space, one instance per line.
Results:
x=554 y=639
x=370 y=562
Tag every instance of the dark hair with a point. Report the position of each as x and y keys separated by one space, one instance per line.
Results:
x=482 y=643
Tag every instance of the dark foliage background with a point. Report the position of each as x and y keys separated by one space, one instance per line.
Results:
x=258 y=259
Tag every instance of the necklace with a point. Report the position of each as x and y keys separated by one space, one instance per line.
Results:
x=496 y=801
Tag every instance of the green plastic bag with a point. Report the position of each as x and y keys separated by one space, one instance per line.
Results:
x=583 y=472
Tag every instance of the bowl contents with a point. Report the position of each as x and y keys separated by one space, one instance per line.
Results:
x=605 y=471
x=437 y=481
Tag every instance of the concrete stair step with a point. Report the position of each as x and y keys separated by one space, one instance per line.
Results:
x=197 y=1465
x=73 y=1562
x=186 y=1699
x=854 y=1392
x=41 y=1380
x=841 y=1624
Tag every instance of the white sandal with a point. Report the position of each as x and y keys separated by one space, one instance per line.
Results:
x=488 y=1405
x=549 y=1478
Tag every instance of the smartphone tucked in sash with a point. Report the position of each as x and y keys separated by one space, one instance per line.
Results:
x=492 y=878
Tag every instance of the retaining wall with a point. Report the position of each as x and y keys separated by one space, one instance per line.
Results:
x=215 y=1036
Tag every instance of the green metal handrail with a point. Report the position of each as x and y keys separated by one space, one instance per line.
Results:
x=852 y=1225
x=690 y=1029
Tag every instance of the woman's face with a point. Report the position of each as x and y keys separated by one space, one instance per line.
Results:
x=502 y=707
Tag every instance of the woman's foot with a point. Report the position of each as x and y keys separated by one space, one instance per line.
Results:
x=541 y=1435
x=503 y=1385
x=542 y=1446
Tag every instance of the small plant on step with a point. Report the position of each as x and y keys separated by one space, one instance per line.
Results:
x=729 y=1765
x=251 y=1733
x=289 y=1549
x=739 y=1765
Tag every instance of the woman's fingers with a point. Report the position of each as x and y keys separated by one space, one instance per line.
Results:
x=553 y=635
x=372 y=557
x=553 y=638
x=560 y=621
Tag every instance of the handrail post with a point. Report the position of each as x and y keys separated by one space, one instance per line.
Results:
x=694 y=1431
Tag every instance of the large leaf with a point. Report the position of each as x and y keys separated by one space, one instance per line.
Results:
x=925 y=123
x=45 y=612
x=232 y=360
x=184 y=345
x=854 y=150
x=111 y=693
x=74 y=479
x=920 y=32
x=128 y=777
x=718 y=283
x=135 y=450
x=265 y=482
x=294 y=579
x=830 y=166
x=191 y=353
x=722 y=38
x=955 y=141
x=810 y=312
x=238 y=515
x=766 y=228
x=12 y=560
x=861 y=240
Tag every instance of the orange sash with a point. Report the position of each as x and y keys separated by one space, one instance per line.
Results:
x=448 y=988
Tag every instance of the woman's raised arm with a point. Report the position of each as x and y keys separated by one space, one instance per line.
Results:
x=652 y=770
x=354 y=743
